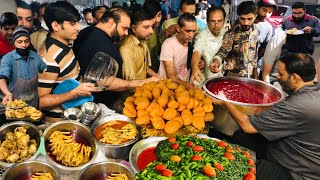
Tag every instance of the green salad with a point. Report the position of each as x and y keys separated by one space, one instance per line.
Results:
x=187 y=157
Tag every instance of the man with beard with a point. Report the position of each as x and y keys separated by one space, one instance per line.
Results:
x=113 y=27
x=154 y=9
x=310 y=26
x=174 y=52
x=239 y=47
x=8 y=22
x=134 y=50
x=284 y=136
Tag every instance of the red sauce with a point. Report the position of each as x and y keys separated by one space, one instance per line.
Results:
x=146 y=157
x=241 y=92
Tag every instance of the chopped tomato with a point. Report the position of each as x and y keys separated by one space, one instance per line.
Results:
x=249 y=176
x=222 y=144
x=175 y=146
x=230 y=150
x=196 y=158
x=252 y=170
x=251 y=162
x=219 y=166
x=209 y=171
x=198 y=149
x=166 y=172
x=189 y=144
x=172 y=139
x=160 y=167
x=247 y=154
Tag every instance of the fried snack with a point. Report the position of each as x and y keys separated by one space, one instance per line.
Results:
x=150 y=132
x=139 y=92
x=178 y=119
x=167 y=91
x=208 y=107
x=156 y=92
x=142 y=102
x=208 y=117
x=198 y=122
x=207 y=101
x=10 y=113
x=156 y=111
x=127 y=111
x=118 y=132
x=145 y=119
x=170 y=113
x=117 y=176
x=184 y=98
x=191 y=104
x=172 y=126
x=68 y=152
x=142 y=112
x=150 y=86
x=163 y=100
x=30 y=110
x=199 y=96
x=17 y=146
x=180 y=88
x=292 y=31
x=157 y=122
x=182 y=107
x=147 y=93
x=172 y=85
x=17 y=103
x=173 y=104
x=130 y=99
x=42 y=176
x=187 y=117
x=19 y=113
x=35 y=114
x=153 y=105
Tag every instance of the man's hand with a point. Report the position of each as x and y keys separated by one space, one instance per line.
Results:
x=7 y=98
x=196 y=76
x=215 y=66
x=85 y=89
x=307 y=30
x=202 y=63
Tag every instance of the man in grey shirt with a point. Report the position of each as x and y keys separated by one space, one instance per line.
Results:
x=291 y=128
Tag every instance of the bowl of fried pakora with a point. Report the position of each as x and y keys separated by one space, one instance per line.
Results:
x=33 y=170
x=70 y=147
x=105 y=170
x=19 y=141
x=116 y=134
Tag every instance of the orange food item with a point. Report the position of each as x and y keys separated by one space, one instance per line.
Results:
x=142 y=112
x=182 y=107
x=142 y=102
x=178 y=119
x=172 y=126
x=198 y=122
x=143 y=120
x=191 y=104
x=130 y=99
x=157 y=122
x=156 y=92
x=209 y=116
x=173 y=104
x=170 y=113
x=184 y=99
x=163 y=100
x=206 y=101
x=172 y=85
x=156 y=112
x=147 y=93
x=208 y=107
x=187 y=117
x=129 y=112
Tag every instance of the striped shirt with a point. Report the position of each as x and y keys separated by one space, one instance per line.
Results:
x=61 y=65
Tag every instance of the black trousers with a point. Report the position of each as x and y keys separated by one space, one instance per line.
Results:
x=266 y=170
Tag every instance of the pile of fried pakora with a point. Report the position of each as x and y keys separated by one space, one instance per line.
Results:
x=17 y=146
x=18 y=109
x=169 y=106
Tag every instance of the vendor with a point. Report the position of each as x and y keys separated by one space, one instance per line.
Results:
x=290 y=129
x=19 y=70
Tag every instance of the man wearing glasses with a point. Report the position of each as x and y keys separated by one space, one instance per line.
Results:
x=207 y=44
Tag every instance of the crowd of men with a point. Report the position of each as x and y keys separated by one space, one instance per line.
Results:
x=149 y=45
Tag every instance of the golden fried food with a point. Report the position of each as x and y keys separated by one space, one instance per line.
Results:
x=198 y=122
x=207 y=101
x=209 y=116
x=200 y=96
x=142 y=102
x=182 y=107
x=16 y=146
x=190 y=104
x=178 y=119
x=19 y=113
x=172 y=126
x=36 y=115
x=68 y=152
x=10 y=113
x=17 y=103
x=118 y=132
x=130 y=105
x=117 y=176
x=170 y=113
x=198 y=109
x=163 y=100
x=180 y=88
x=191 y=92
x=157 y=111
x=187 y=117
x=150 y=86
x=147 y=93
x=156 y=92
x=130 y=99
x=184 y=99
x=127 y=111
x=42 y=176
x=139 y=92
x=142 y=112
x=172 y=85
x=196 y=103
x=153 y=105
x=292 y=31
x=208 y=107
x=143 y=120
x=173 y=104
x=157 y=122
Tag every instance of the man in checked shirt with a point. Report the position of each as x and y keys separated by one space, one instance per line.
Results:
x=239 y=47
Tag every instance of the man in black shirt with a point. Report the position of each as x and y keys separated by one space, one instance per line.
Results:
x=113 y=27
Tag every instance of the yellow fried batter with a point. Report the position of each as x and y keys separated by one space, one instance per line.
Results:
x=170 y=113
x=173 y=104
x=172 y=126
x=157 y=122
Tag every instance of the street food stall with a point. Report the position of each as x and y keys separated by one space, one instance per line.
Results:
x=160 y=133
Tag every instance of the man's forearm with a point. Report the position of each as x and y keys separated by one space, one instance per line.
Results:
x=195 y=60
x=4 y=87
x=51 y=101
x=241 y=118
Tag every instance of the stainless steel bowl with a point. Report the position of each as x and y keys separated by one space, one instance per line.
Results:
x=73 y=127
x=26 y=169
x=102 y=169
x=248 y=108
x=32 y=130
x=120 y=151
x=73 y=114
x=141 y=146
x=91 y=111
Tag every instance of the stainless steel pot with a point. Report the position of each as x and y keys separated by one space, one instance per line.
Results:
x=32 y=130
x=223 y=121
x=28 y=168
x=120 y=151
x=79 y=129
x=141 y=146
x=102 y=169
